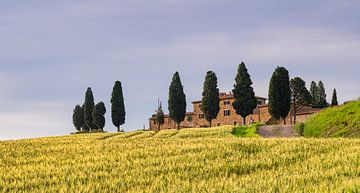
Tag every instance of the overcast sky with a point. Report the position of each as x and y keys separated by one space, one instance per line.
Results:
x=51 y=51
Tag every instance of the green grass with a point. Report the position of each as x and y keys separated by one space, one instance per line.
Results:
x=189 y=160
x=246 y=131
x=340 y=121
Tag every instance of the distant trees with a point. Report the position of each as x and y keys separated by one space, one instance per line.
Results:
x=88 y=108
x=318 y=94
x=300 y=96
x=98 y=115
x=159 y=116
x=78 y=117
x=245 y=100
x=210 y=97
x=117 y=106
x=177 y=100
x=279 y=94
x=334 y=101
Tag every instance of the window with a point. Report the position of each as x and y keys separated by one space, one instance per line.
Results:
x=259 y=102
x=227 y=113
x=235 y=123
x=189 y=118
x=201 y=116
x=218 y=124
x=154 y=122
x=200 y=106
x=226 y=102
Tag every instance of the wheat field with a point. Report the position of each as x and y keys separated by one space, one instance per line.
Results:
x=190 y=160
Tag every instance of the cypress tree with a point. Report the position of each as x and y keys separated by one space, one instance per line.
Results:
x=334 y=101
x=177 y=100
x=98 y=115
x=245 y=100
x=279 y=94
x=78 y=117
x=88 y=108
x=300 y=96
x=84 y=126
x=321 y=95
x=314 y=93
x=210 y=97
x=117 y=106
x=159 y=116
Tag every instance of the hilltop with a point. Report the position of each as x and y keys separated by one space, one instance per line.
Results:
x=190 y=160
x=339 y=121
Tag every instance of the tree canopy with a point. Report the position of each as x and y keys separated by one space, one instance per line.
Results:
x=177 y=100
x=117 y=106
x=210 y=97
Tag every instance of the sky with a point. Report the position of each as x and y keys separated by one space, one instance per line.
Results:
x=51 y=51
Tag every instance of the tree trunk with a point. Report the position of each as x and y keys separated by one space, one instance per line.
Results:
x=285 y=121
x=159 y=127
x=210 y=123
x=244 y=120
x=178 y=126
x=294 y=114
x=118 y=129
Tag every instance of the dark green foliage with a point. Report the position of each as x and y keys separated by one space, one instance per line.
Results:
x=210 y=97
x=78 y=117
x=98 y=115
x=314 y=90
x=334 y=100
x=84 y=127
x=322 y=95
x=279 y=94
x=177 y=100
x=300 y=96
x=117 y=106
x=88 y=108
x=245 y=100
x=159 y=116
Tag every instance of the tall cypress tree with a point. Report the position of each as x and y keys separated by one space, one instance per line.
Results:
x=177 y=100
x=88 y=108
x=245 y=100
x=279 y=94
x=334 y=101
x=159 y=115
x=78 y=117
x=322 y=95
x=117 y=106
x=210 y=97
x=300 y=96
x=98 y=115
x=314 y=90
x=84 y=126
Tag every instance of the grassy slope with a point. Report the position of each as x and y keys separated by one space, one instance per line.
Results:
x=335 y=122
x=197 y=160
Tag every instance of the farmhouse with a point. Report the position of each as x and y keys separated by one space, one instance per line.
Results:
x=228 y=116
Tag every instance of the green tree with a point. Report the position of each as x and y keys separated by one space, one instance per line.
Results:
x=245 y=100
x=279 y=94
x=78 y=117
x=117 y=106
x=159 y=116
x=84 y=126
x=334 y=101
x=210 y=97
x=98 y=115
x=177 y=100
x=322 y=95
x=314 y=92
x=88 y=108
x=300 y=96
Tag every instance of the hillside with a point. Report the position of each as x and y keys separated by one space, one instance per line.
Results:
x=341 y=121
x=197 y=160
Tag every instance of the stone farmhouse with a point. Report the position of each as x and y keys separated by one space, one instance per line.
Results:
x=228 y=116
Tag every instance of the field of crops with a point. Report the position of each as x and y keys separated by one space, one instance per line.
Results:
x=191 y=160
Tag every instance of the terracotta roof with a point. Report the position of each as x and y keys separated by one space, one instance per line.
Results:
x=167 y=116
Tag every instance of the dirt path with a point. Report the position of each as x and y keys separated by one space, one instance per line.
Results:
x=277 y=131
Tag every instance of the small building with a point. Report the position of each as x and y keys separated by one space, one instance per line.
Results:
x=227 y=115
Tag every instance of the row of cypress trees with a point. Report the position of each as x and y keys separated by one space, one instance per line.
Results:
x=283 y=93
x=91 y=116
